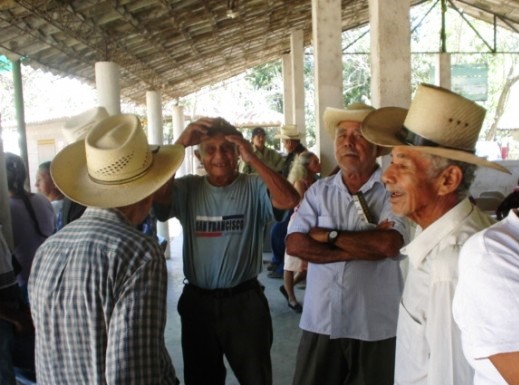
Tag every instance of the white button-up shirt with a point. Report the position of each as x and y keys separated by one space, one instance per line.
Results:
x=428 y=343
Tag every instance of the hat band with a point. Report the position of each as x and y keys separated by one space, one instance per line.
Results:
x=413 y=139
x=125 y=180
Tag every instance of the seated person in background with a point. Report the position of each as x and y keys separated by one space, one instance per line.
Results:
x=16 y=330
x=269 y=156
x=45 y=185
x=98 y=286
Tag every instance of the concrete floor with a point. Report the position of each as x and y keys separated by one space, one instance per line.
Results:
x=285 y=321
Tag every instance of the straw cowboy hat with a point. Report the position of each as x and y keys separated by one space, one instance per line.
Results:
x=355 y=112
x=114 y=166
x=438 y=122
x=78 y=126
x=288 y=131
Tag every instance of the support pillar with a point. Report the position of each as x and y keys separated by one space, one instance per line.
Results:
x=108 y=87
x=443 y=71
x=298 y=82
x=20 y=114
x=390 y=53
x=326 y=29
x=288 y=93
x=155 y=136
x=178 y=127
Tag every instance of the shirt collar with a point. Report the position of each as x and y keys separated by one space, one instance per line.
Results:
x=429 y=238
x=376 y=177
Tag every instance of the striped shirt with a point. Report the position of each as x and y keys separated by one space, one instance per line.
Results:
x=98 y=298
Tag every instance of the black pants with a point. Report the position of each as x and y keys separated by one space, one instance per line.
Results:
x=344 y=361
x=237 y=325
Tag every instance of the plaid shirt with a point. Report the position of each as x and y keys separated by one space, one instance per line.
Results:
x=98 y=297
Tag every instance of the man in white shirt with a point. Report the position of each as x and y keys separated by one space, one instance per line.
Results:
x=345 y=229
x=486 y=306
x=432 y=167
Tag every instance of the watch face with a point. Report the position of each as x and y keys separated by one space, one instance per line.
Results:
x=333 y=234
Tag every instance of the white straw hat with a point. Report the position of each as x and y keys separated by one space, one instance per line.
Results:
x=78 y=126
x=355 y=112
x=438 y=122
x=288 y=131
x=114 y=166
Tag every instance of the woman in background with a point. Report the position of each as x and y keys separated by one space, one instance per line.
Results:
x=303 y=173
x=32 y=219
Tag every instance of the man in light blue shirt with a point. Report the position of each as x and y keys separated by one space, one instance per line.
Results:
x=345 y=229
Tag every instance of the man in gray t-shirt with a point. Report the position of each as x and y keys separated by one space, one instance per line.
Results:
x=222 y=308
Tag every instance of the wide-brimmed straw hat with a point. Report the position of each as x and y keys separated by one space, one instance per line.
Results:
x=355 y=112
x=438 y=122
x=78 y=126
x=288 y=131
x=114 y=166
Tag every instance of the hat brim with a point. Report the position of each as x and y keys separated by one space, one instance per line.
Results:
x=70 y=174
x=281 y=136
x=381 y=127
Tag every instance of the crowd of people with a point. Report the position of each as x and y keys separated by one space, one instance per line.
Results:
x=83 y=289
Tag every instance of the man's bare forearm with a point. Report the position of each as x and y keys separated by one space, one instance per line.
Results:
x=369 y=245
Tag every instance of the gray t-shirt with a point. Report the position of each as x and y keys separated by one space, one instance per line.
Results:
x=223 y=228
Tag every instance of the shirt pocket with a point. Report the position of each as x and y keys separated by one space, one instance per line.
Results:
x=411 y=335
x=326 y=222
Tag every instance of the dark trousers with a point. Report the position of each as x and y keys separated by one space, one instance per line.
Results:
x=344 y=361
x=277 y=241
x=218 y=323
x=16 y=351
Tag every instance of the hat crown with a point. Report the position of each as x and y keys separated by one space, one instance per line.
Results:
x=117 y=150
x=445 y=118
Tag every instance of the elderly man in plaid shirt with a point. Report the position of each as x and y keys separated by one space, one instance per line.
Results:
x=98 y=287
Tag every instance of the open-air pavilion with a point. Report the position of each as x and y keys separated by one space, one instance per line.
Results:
x=150 y=51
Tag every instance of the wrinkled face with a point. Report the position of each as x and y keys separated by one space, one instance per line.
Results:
x=290 y=145
x=44 y=183
x=218 y=156
x=352 y=151
x=407 y=178
x=314 y=165
x=258 y=141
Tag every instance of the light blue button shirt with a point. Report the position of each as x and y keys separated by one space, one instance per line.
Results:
x=355 y=299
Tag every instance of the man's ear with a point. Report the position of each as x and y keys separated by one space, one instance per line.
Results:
x=197 y=154
x=449 y=180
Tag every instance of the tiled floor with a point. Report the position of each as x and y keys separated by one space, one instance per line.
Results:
x=285 y=321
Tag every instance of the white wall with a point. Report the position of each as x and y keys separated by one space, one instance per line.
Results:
x=488 y=179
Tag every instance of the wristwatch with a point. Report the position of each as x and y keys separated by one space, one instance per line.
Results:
x=332 y=236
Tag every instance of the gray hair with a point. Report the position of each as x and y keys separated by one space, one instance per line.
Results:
x=299 y=169
x=438 y=164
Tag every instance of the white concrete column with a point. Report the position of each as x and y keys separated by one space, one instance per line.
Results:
x=108 y=88
x=326 y=29
x=154 y=115
x=297 y=51
x=443 y=70
x=288 y=94
x=155 y=136
x=390 y=53
x=178 y=127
